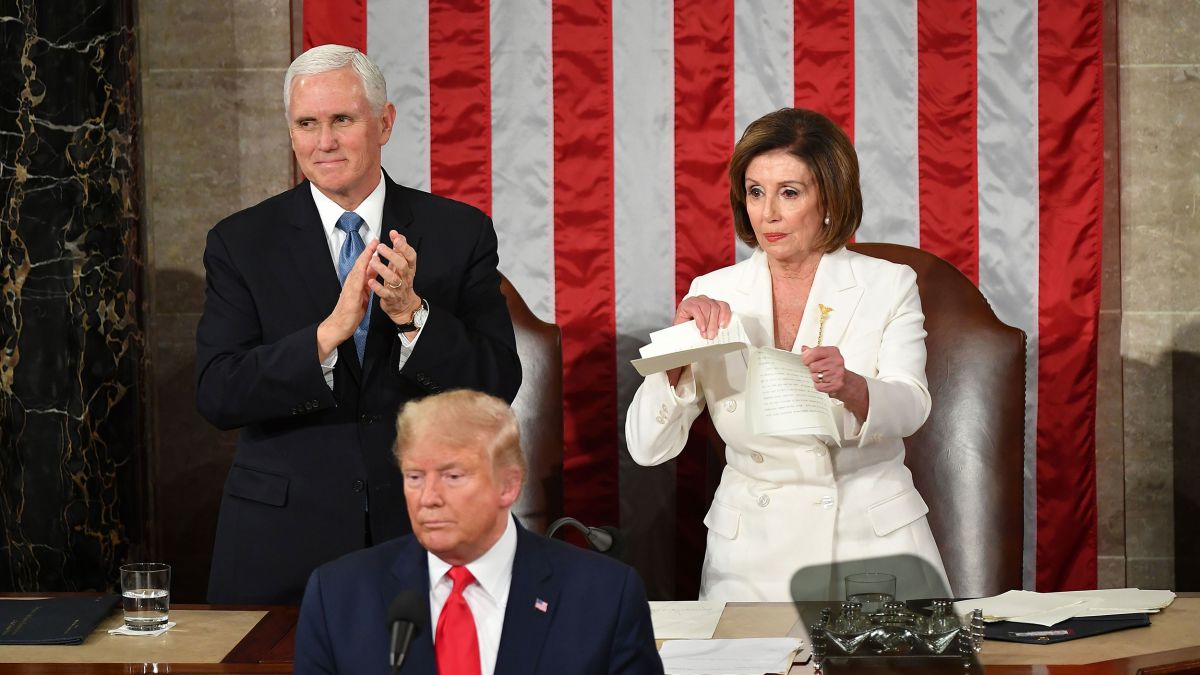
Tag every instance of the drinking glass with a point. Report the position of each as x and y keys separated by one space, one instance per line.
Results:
x=145 y=595
x=871 y=590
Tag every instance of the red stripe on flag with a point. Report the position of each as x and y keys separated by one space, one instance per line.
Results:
x=583 y=253
x=1071 y=181
x=460 y=101
x=704 y=237
x=823 y=36
x=342 y=22
x=947 y=164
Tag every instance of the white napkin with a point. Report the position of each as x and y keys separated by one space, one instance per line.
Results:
x=125 y=630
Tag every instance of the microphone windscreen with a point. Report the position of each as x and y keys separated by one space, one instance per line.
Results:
x=408 y=606
x=617 y=548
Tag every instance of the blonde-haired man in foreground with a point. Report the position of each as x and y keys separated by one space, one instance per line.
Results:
x=499 y=599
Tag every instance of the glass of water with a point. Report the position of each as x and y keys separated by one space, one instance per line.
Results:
x=871 y=590
x=145 y=595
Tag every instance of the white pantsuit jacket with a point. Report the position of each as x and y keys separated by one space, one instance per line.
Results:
x=793 y=515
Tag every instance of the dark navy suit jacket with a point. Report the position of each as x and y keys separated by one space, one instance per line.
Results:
x=596 y=619
x=309 y=459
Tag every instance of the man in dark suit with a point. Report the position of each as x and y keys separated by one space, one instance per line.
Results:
x=327 y=307
x=500 y=600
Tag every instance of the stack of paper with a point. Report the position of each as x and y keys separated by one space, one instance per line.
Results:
x=1047 y=609
x=682 y=344
x=747 y=656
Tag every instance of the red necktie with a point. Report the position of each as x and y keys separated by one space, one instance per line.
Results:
x=456 y=643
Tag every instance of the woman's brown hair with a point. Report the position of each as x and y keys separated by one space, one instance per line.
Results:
x=827 y=152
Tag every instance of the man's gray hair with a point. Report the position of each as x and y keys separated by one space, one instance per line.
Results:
x=325 y=58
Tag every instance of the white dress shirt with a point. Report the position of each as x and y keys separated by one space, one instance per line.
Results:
x=487 y=597
x=371 y=211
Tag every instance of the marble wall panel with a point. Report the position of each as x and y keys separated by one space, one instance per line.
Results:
x=1159 y=56
x=1160 y=183
x=1159 y=31
x=222 y=34
x=72 y=449
x=216 y=142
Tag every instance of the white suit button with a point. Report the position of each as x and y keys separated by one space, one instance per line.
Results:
x=757 y=457
x=661 y=419
x=763 y=501
x=826 y=502
x=819 y=452
x=730 y=405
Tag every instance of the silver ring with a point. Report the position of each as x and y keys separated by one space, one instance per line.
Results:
x=395 y=286
x=821 y=376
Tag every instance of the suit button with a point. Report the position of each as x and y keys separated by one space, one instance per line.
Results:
x=660 y=419
x=757 y=457
x=826 y=502
x=763 y=501
x=730 y=405
x=364 y=419
x=358 y=486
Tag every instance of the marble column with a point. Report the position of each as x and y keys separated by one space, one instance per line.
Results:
x=72 y=438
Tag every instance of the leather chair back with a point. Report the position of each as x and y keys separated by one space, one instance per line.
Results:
x=538 y=408
x=967 y=459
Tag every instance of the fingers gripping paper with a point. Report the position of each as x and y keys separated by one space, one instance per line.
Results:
x=782 y=398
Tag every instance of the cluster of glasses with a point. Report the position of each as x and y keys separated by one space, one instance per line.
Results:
x=896 y=630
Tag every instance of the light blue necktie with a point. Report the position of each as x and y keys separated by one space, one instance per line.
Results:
x=351 y=249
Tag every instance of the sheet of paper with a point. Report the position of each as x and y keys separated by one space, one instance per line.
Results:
x=783 y=399
x=685 y=620
x=1048 y=609
x=747 y=656
x=682 y=345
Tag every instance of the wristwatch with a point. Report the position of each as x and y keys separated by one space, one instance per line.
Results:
x=418 y=318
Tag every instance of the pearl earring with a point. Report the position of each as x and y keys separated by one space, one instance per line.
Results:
x=826 y=220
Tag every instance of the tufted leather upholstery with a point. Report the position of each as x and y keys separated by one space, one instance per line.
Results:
x=967 y=458
x=538 y=407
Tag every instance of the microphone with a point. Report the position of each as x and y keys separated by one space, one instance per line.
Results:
x=404 y=615
x=605 y=539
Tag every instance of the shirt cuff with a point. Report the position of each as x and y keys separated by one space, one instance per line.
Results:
x=327 y=368
x=407 y=345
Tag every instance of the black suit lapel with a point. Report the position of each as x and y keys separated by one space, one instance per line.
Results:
x=397 y=217
x=411 y=572
x=532 y=602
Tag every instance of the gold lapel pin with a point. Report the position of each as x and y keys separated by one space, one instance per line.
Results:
x=821 y=322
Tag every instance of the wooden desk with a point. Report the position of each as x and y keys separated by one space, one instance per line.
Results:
x=206 y=639
x=1170 y=646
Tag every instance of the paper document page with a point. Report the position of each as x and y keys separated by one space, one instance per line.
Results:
x=747 y=656
x=1048 y=609
x=685 y=619
x=783 y=399
x=682 y=345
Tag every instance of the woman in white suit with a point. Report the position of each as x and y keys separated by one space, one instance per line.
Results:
x=793 y=515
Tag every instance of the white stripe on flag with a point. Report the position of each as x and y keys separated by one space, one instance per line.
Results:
x=1008 y=199
x=762 y=68
x=885 y=119
x=522 y=149
x=398 y=42
x=644 y=236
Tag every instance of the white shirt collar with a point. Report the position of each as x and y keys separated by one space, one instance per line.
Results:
x=492 y=570
x=370 y=210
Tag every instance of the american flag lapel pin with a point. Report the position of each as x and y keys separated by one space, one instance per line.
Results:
x=541 y=605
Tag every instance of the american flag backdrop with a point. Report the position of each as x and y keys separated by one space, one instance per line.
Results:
x=596 y=133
